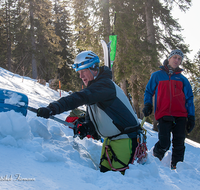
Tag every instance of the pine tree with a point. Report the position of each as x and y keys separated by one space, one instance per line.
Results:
x=195 y=81
x=3 y=37
x=47 y=42
x=7 y=18
x=131 y=49
x=106 y=19
x=87 y=21
x=63 y=29
x=42 y=42
x=21 y=50
x=146 y=30
x=33 y=40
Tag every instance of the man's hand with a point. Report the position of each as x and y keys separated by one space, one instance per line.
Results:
x=83 y=129
x=147 y=110
x=190 y=123
x=45 y=112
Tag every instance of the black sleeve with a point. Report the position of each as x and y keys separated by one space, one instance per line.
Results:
x=69 y=102
x=99 y=91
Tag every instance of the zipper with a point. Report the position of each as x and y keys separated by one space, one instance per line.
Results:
x=170 y=91
x=175 y=89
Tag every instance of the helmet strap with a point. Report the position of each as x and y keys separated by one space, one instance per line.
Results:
x=93 y=73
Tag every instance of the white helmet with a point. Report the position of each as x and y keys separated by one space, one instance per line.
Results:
x=85 y=60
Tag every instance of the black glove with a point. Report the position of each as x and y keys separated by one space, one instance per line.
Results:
x=45 y=112
x=147 y=110
x=82 y=131
x=96 y=136
x=190 y=123
x=77 y=124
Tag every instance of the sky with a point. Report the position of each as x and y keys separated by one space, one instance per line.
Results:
x=38 y=153
x=191 y=26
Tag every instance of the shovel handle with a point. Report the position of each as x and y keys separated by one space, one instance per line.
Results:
x=52 y=117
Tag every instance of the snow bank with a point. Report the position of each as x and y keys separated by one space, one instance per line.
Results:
x=15 y=125
x=37 y=153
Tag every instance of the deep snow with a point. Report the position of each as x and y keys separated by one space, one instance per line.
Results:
x=42 y=154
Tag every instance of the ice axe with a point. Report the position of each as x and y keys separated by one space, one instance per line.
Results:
x=142 y=123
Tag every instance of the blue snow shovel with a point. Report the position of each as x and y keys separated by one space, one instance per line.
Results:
x=11 y=100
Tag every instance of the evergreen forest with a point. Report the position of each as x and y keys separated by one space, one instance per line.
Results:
x=41 y=38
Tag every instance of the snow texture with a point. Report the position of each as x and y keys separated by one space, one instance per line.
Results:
x=40 y=154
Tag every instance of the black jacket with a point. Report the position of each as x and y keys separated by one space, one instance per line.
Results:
x=108 y=108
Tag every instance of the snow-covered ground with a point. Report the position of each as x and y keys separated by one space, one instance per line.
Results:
x=42 y=154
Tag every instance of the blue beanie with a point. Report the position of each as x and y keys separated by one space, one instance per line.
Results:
x=176 y=52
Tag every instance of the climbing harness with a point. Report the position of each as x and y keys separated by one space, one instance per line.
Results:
x=140 y=152
x=115 y=158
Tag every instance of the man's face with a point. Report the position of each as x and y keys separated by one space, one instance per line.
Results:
x=175 y=61
x=86 y=76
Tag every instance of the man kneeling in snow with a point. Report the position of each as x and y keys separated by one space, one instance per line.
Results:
x=108 y=113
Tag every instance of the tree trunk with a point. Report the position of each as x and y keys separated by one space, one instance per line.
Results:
x=123 y=85
x=34 y=63
x=9 y=52
x=135 y=99
x=134 y=93
x=8 y=36
x=106 y=19
x=149 y=22
x=150 y=38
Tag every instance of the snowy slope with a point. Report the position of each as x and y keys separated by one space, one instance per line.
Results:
x=42 y=154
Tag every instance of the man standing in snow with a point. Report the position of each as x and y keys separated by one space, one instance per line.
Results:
x=108 y=113
x=174 y=107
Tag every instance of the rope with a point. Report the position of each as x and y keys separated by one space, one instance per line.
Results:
x=140 y=151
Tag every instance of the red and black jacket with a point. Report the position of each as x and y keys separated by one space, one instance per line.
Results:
x=173 y=94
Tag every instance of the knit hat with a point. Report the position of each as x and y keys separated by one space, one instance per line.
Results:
x=176 y=52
